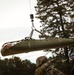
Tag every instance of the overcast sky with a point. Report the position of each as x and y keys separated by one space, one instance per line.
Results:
x=15 y=23
x=15 y=20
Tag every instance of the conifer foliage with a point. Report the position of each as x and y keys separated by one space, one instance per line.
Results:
x=16 y=66
x=57 y=19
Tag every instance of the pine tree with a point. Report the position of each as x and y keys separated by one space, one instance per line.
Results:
x=57 y=19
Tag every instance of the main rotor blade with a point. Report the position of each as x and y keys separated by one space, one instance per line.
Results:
x=29 y=45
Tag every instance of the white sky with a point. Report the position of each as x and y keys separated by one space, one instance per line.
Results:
x=15 y=23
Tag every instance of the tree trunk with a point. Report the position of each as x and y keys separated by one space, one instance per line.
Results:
x=64 y=34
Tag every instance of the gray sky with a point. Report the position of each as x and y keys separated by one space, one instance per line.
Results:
x=15 y=23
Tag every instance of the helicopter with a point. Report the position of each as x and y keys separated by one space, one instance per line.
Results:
x=29 y=44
